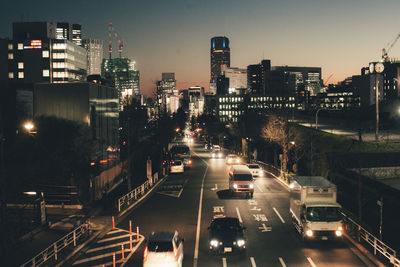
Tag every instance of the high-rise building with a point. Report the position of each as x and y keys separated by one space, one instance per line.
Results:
x=257 y=75
x=126 y=77
x=165 y=88
x=196 y=101
x=68 y=31
x=237 y=78
x=220 y=54
x=94 y=50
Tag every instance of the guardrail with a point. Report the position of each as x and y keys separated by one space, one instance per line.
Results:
x=356 y=231
x=126 y=200
x=54 y=249
x=353 y=229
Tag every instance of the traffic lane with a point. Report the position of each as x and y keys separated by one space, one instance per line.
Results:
x=166 y=213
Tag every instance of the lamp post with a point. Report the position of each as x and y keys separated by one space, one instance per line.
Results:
x=376 y=68
x=316 y=118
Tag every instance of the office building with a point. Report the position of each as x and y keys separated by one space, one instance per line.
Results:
x=219 y=55
x=196 y=101
x=257 y=75
x=126 y=77
x=94 y=51
x=237 y=78
x=165 y=89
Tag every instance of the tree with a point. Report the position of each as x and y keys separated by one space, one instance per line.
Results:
x=279 y=131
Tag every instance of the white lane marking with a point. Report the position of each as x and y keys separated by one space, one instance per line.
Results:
x=282 y=262
x=253 y=262
x=196 y=248
x=238 y=213
x=110 y=246
x=214 y=188
x=280 y=217
x=224 y=262
x=259 y=188
x=115 y=231
x=311 y=262
x=113 y=238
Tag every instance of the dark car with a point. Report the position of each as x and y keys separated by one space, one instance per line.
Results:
x=226 y=235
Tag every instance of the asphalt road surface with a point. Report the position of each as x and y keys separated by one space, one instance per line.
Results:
x=188 y=202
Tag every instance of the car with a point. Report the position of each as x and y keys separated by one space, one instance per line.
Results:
x=255 y=170
x=226 y=235
x=163 y=249
x=241 y=181
x=177 y=166
x=216 y=152
x=232 y=159
x=182 y=152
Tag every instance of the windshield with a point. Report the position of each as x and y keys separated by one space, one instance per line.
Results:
x=243 y=177
x=323 y=214
x=253 y=166
x=176 y=163
x=160 y=246
x=184 y=150
x=226 y=225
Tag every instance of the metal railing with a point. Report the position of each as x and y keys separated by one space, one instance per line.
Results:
x=126 y=200
x=54 y=249
x=356 y=231
x=353 y=229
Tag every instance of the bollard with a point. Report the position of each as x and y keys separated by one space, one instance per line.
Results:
x=113 y=259
x=113 y=223
x=74 y=236
x=122 y=252
x=130 y=227
x=137 y=233
x=130 y=242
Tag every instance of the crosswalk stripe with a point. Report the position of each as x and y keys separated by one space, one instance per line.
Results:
x=282 y=262
x=114 y=238
x=224 y=262
x=253 y=262
x=311 y=262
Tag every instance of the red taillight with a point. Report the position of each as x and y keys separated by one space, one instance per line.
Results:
x=190 y=162
x=176 y=254
x=145 y=254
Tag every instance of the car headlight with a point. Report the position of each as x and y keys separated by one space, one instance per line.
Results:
x=338 y=233
x=237 y=160
x=251 y=186
x=220 y=155
x=214 y=243
x=260 y=173
x=229 y=160
x=235 y=186
x=240 y=243
x=213 y=155
x=309 y=233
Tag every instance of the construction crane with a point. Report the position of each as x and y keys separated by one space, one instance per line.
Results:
x=385 y=57
x=111 y=30
x=330 y=76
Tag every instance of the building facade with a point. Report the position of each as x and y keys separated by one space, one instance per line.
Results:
x=94 y=51
x=219 y=55
x=196 y=101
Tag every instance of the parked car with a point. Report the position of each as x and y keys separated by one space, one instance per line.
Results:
x=177 y=166
x=226 y=235
x=255 y=170
x=163 y=249
x=232 y=159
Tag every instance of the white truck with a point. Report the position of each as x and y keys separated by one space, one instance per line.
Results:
x=315 y=212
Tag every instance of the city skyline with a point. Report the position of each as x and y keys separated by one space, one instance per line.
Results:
x=340 y=37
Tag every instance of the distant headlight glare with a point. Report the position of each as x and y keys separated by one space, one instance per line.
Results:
x=251 y=186
x=214 y=243
x=240 y=243
x=309 y=233
x=338 y=233
x=235 y=186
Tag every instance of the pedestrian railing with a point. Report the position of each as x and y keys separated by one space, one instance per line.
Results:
x=125 y=201
x=356 y=231
x=54 y=249
x=353 y=229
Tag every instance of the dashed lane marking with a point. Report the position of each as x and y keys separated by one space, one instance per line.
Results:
x=238 y=213
x=253 y=262
x=280 y=217
x=224 y=262
x=282 y=262
x=311 y=262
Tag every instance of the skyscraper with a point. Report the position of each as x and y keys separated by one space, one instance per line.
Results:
x=94 y=49
x=220 y=53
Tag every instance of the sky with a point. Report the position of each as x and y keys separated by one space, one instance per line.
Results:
x=340 y=36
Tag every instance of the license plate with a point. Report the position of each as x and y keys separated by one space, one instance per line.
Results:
x=227 y=249
x=324 y=238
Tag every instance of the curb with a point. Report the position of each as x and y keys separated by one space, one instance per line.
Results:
x=364 y=251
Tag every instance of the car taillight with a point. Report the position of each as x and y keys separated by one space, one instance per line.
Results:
x=190 y=162
x=145 y=254
x=176 y=254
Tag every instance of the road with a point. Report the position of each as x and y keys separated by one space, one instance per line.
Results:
x=271 y=239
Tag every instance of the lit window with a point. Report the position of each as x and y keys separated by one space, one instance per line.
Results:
x=46 y=73
x=10 y=47
x=11 y=75
x=20 y=75
x=20 y=46
x=10 y=56
x=45 y=53
x=20 y=65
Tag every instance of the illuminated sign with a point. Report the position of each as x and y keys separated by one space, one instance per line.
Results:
x=35 y=44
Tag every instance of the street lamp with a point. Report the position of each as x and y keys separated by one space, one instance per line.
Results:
x=376 y=68
x=316 y=118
